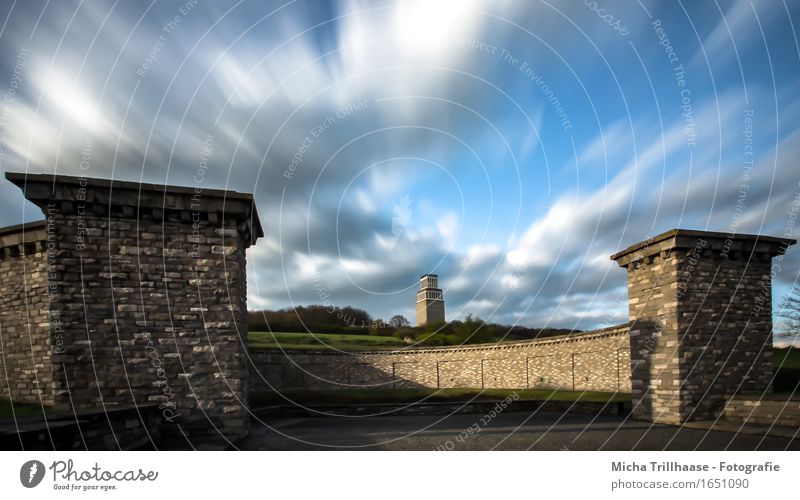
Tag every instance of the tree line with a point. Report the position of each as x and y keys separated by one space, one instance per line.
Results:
x=354 y=321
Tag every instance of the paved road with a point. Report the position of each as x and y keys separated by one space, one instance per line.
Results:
x=507 y=431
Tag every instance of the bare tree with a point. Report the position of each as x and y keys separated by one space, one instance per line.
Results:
x=399 y=321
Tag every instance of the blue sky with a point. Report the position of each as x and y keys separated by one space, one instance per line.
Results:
x=510 y=147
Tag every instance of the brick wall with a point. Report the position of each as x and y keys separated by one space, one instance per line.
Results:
x=758 y=410
x=701 y=321
x=133 y=294
x=149 y=283
x=26 y=373
x=119 y=428
x=596 y=361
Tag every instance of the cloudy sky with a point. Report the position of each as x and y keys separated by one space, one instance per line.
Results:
x=510 y=147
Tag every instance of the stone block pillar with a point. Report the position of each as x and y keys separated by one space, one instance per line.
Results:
x=148 y=294
x=26 y=372
x=700 y=307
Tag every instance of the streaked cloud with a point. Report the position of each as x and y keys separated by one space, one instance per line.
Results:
x=384 y=140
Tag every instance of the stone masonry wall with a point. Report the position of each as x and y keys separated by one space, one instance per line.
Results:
x=655 y=368
x=150 y=287
x=726 y=330
x=157 y=326
x=769 y=411
x=132 y=294
x=109 y=429
x=593 y=361
x=701 y=321
x=26 y=373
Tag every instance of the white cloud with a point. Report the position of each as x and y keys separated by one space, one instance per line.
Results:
x=427 y=28
x=448 y=226
x=479 y=254
x=365 y=202
x=611 y=141
x=735 y=31
x=557 y=266
x=244 y=86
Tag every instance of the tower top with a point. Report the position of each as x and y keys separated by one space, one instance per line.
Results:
x=724 y=243
x=430 y=301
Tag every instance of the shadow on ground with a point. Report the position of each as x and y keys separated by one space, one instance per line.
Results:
x=542 y=430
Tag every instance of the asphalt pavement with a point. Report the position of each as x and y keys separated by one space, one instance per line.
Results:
x=542 y=430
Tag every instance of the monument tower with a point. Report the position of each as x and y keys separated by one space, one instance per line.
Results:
x=430 y=302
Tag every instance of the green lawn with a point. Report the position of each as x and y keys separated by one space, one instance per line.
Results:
x=333 y=341
x=787 y=370
x=275 y=340
x=365 y=396
x=19 y=409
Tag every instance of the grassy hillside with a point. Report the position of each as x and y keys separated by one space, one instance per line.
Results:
x=338 y=341
x=344 y=342
x=348 y=321
x=787 y=370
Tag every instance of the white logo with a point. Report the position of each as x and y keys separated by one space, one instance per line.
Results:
x=31 y=473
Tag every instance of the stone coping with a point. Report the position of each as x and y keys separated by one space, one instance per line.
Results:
x=768 y=398
x=16 y=177
x=688 y=238
x=45 y=188
x=19 y=234
x=610 y=331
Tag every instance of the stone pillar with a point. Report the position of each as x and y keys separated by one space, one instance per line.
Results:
x=700 y=307
x=26 y=372
x=148 y=289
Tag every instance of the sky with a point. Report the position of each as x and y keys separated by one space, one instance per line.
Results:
x=509 y=147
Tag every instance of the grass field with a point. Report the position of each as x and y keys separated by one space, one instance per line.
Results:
x=787 y=370
x=364 y=396
x=333 y=341
x=275 y=340
x=19 y=409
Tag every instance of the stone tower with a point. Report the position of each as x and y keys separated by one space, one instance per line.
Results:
x=700 y=310
x=430 y=301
